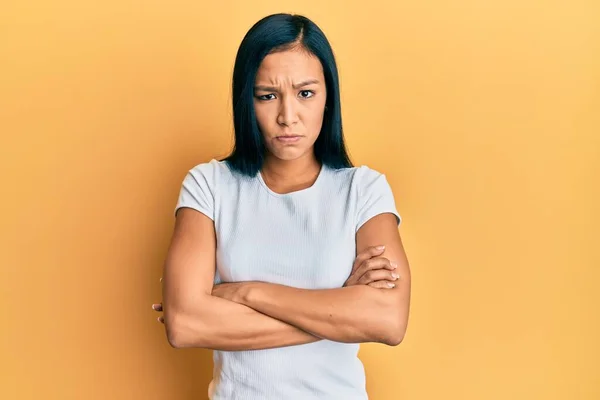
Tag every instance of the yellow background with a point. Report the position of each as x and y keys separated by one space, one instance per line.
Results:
x=484 y=115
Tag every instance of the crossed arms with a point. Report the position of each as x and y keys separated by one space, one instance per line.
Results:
x=259 y=315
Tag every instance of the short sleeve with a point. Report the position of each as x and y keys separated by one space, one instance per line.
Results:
x=197 y=190
x=375 y=197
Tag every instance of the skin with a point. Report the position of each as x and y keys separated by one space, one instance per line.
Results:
x=289 y=98
x=368 y=269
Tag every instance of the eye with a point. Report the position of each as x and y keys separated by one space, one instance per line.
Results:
x=263 y=97
x=309 y=93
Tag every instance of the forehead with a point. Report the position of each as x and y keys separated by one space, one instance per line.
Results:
x=294 y=64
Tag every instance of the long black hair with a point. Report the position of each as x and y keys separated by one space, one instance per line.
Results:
x=281 y=32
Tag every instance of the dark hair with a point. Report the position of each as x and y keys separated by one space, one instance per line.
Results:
x=281 y=32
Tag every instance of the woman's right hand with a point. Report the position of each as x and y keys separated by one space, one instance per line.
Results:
x=370 y=269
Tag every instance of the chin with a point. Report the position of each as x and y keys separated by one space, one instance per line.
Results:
x=288 y=154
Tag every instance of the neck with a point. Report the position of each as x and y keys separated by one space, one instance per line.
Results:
x=283 y=172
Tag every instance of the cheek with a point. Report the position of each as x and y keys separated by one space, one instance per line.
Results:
x=318 y=111
x=315 y=120
x=262 y=117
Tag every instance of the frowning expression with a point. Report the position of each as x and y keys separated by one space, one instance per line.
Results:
x=289 y=101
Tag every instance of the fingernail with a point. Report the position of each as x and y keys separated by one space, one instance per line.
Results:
x=393 y=264
x=154 y=306
x=395 y=275
x=380 y=247
x=391 y=285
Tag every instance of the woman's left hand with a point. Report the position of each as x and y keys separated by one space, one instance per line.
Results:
x=158 y=307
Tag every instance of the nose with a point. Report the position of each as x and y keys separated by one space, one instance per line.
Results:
x=288 y=113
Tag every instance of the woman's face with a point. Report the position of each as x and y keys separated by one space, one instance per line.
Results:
x=289 y=100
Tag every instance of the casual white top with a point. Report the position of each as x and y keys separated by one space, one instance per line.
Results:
x=304 y=239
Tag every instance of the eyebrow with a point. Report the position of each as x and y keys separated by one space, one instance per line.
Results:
x=296 y=86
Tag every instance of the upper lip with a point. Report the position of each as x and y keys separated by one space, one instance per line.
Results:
x=289 y=135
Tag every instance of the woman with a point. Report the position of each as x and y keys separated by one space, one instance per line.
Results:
x=283 y=218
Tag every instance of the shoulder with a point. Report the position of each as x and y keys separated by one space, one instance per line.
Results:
x=207 y=177
x=366 y=174
x=212 y=167
x=211 y=173
x=202 y=186
x=375 y=195
x=359 y=178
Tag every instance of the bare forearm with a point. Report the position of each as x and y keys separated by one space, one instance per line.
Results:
x=220 y=324
x=353 y=314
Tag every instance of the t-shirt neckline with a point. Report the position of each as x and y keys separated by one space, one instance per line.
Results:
x=296 y=192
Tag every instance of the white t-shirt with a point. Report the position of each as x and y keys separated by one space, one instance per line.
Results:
x=304 y=239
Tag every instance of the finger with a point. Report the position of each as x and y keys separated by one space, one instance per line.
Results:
x=161 y=320
x=377 y=275
x=369 y=252
x=157 y=307
x=374 y=263
x=371 y=264
x=382 y=284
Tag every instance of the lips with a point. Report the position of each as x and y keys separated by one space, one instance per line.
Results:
x=289 y=138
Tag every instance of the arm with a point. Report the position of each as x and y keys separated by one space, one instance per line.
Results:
x=349 y=314
x=195 y=318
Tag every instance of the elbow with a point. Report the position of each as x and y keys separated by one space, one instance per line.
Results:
x=174 y=332
x=389 y=332
x=395 y=330
x=394 y=338
x=179 y=331
x=396 y=322
x=186 y=327
x=175 y=340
